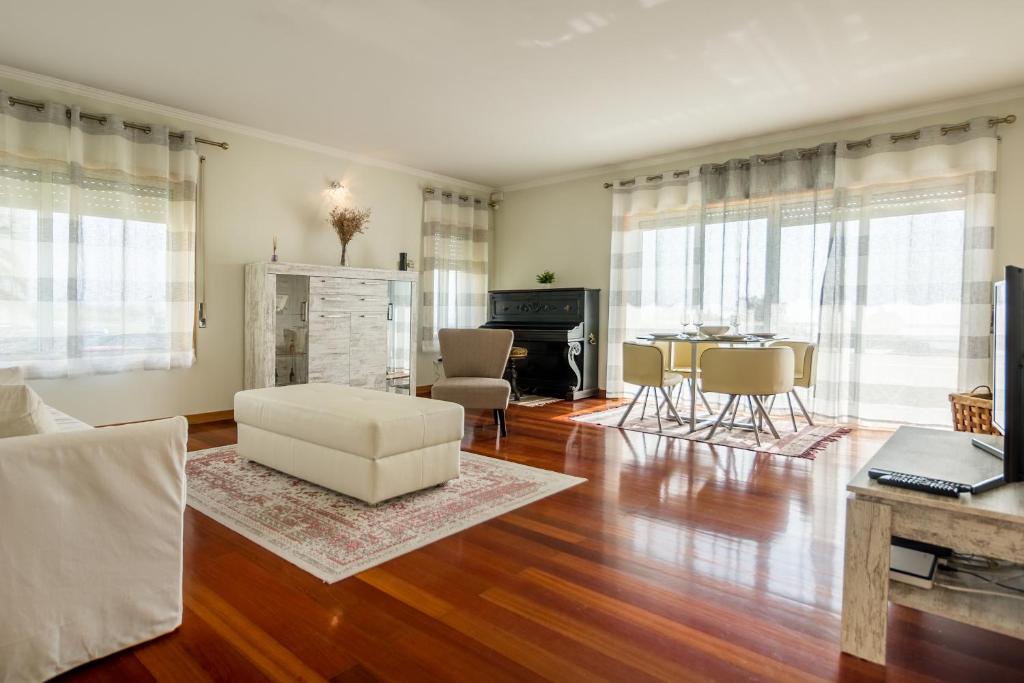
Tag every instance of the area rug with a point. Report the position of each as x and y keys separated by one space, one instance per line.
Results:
x=807 y=442
x=534 y=401
x=333 y=536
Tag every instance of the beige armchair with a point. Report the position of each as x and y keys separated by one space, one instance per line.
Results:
x=474 y=365
x=748 y=373
x=644 y=365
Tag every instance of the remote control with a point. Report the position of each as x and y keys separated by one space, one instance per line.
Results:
x=913 y=482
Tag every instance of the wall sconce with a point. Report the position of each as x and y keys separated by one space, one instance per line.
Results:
x=336 y=192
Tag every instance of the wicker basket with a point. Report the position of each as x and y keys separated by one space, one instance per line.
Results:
x=972 y=411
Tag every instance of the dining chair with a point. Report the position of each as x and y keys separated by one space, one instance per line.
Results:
x=749 y=373
x=644 y=365
x=805 y=358
x=680 y=363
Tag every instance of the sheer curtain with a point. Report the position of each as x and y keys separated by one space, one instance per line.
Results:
x=742 y=243
x=97 y=243
x=454 y=279
x=907 y=293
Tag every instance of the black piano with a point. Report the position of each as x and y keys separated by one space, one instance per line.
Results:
x=559 y=328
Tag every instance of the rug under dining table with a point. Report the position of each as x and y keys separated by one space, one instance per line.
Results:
x=806 y=442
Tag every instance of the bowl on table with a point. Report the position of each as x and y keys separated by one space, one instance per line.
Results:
x=713 y=330
x=664 y=335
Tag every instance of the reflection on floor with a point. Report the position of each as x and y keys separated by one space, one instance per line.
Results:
x=675 y=561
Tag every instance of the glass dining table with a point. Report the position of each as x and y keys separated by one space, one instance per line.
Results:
x=694 y=340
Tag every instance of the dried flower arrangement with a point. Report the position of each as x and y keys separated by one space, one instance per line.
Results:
x=348 y=222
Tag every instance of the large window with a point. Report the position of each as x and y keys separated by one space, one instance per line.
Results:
x=97 y=247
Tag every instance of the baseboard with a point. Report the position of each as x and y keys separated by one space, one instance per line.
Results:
x=215 y=416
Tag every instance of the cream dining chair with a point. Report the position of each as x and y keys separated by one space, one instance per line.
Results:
x=644 y=365
x=680 y=363
x=805 y=358
x=749 y=373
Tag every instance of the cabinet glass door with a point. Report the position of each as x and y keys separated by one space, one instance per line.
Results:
x=291 y=330
x=399 y=319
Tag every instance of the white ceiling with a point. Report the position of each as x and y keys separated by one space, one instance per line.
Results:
x=503 y=92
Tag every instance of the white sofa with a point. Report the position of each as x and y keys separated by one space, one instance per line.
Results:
x=91 y=525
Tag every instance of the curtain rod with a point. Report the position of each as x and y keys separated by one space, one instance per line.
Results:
x=448 y=195
x=99 y=118
x=811 y=151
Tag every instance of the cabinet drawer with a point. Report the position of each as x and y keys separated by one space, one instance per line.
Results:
x=333 y=286
x=347 y=302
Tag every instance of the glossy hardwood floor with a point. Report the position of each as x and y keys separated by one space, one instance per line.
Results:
x=675 y=561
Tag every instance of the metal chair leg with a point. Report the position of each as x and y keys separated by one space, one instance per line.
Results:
x=657 y=408
x=753 y=420
x=643 y=408
x=792 y=413
x=732 y=420
x=800 y=403
x=721 y=415
x=631 y=404
x=704 y=398
x=671 y=408
x=767 y=419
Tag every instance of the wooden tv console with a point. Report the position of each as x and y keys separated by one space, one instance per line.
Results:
x=989 y=524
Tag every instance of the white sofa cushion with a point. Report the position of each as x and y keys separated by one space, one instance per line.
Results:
x=11 y=375
x=23 y=413
x=363 y=422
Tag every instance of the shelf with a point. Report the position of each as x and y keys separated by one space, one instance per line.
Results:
x=991 y=612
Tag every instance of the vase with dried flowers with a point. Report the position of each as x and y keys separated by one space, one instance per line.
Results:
x=348 y=221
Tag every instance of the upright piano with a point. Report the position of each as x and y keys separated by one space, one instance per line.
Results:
x=559 y=329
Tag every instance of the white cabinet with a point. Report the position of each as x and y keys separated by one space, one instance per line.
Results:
x=350 y=326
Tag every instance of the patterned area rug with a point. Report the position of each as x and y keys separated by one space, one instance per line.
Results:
x=333 y=536
x=805 y=443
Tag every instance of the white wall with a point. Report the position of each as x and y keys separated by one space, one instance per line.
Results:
x=256 y=189
x=566 y=227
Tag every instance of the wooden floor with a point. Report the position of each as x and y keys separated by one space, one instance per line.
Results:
x=675 y=561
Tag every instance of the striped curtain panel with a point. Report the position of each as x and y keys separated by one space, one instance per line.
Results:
x=653 y=285
x=907 y=296
x=454 y=278
x=97 y=243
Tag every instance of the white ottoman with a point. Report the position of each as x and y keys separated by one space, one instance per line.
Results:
x=370 y=445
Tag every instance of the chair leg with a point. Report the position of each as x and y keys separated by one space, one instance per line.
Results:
x=753 y=421
x=707 y=406
x=631 y=404
x=764 y=415
x=732 y=419
x=643 y=408
x=807 y=416
x=792 y=413
x=501 y=422
x=671 y=407
x=657 y=408
x=721 y=415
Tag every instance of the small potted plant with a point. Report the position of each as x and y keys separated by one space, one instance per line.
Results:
x=546 y=279
x=348 y=222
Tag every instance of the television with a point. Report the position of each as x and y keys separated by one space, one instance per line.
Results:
x=1007 y=379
